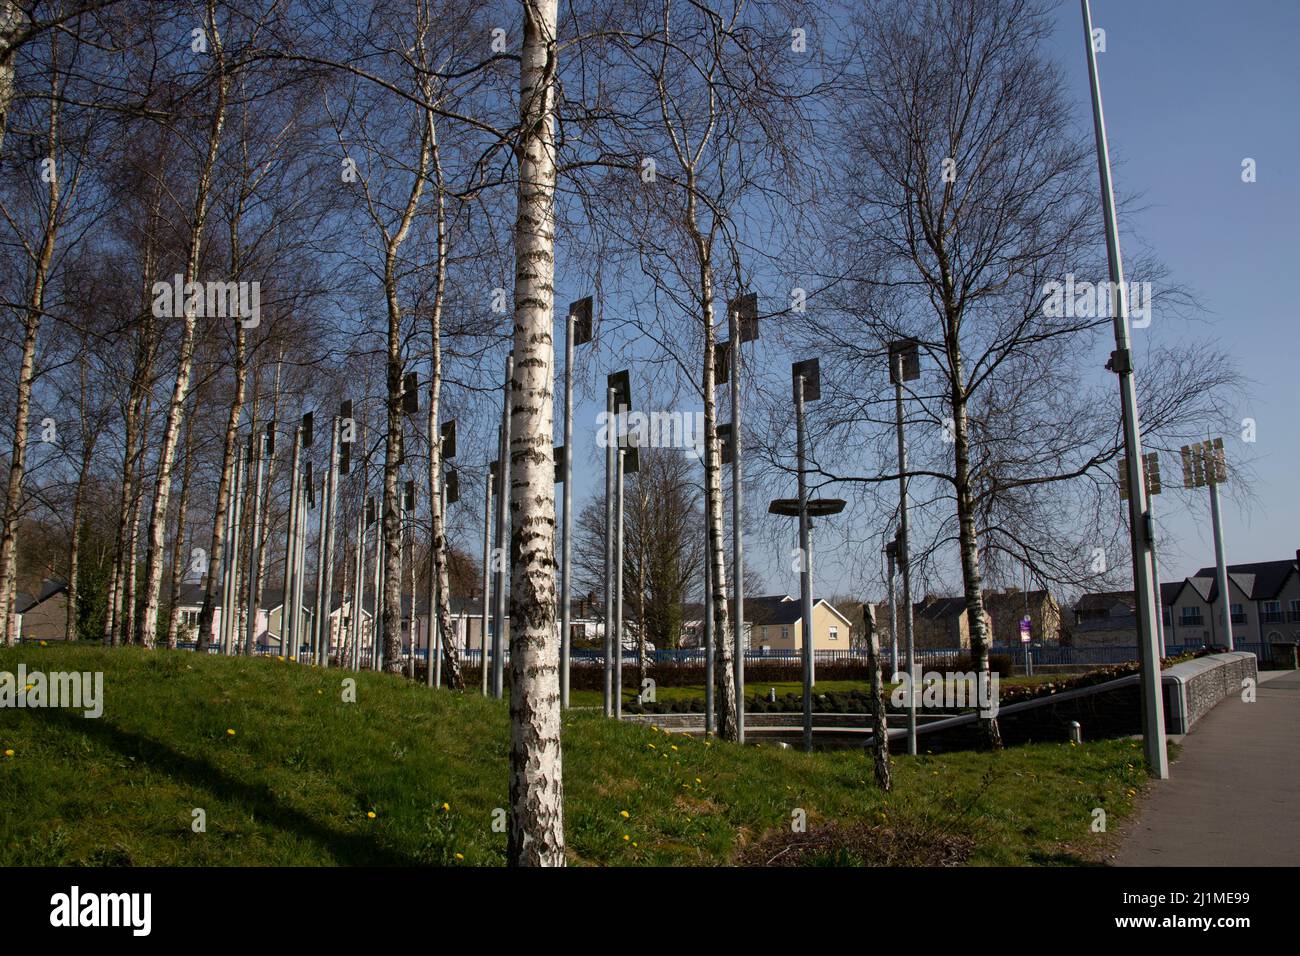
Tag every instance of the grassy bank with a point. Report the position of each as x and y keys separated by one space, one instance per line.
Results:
x=288 y=773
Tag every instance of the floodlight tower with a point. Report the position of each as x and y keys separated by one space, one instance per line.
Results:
x=1121 y=363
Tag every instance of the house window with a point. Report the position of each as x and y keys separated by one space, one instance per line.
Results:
x=1272 y=612
x=1294 y=613
x=1168 y=614
x=1238 y=614
x=1190 y=617
x=835 y=634
x=785 y=633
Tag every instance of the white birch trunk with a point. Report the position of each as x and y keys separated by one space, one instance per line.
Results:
x=536 y=782
x=180 y=390
x=23 y=402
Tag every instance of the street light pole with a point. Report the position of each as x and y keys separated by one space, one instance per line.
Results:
x=708 y=634
x=255 y=549
x=566 y=555
x=611 y=440
x=900 y=355
x=434 y=642
x=376 y=618
x=358 y=590
x=618 y=591
x=749 y=304
x=577 y=331
x=230 y=583
x=300 y=630
x=805 y=569
x=329 y=519
x=288 y=622
x=1220 y=563
x=891 y=552
x=503 y=535
x=1121 y=362
x=487 y=579
x=322 y=593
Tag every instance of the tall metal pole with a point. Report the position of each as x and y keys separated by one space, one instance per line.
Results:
x=805 y=570
x=1121 y=363
x=808 y=552
x=376 y=653
x=435 y=613
x=288 y=639
x=230 y=591
x=324 y=631
x=566 y=555
x=319 y=620
x=708 y=634
x=1155 y=573
x=893 y=619
x=255 y=550
x=904 y=559
x=358 y=588
x=220 y=614
x=300 y=617
x=503 y=535
x=412 y=632
x=1220 y=562
x=618 y=591
x=487 y=579
x=737 y=537
x=611 y=441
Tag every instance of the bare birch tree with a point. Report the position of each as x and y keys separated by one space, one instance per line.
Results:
x=536 y=835
x=148 y=626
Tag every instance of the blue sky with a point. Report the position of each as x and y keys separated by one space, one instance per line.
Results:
x=1190 y=90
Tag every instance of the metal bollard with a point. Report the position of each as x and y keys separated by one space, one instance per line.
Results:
x=1076 y=732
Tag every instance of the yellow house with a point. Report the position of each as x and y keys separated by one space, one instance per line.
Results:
x=775 y=623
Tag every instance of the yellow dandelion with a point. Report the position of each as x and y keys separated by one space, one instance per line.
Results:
x=697 y=780
x=634 y=843
x=626 y=837
x=9 y=753
x=230 y=732
x=460 y=856
x=370 y=814
x=446 y=808
x=674 y=746
x=624 y=814
x=43 y=644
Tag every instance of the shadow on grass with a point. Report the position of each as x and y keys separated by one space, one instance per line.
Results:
x=348 y=849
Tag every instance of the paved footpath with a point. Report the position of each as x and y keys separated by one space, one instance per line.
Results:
x=1233 y=796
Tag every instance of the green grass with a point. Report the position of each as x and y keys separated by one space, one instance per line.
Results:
x=296 y=781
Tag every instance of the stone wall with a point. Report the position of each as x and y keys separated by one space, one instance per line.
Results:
x=1193 y=688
